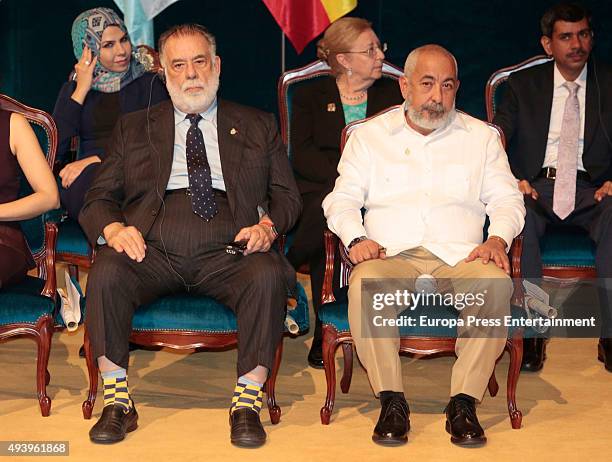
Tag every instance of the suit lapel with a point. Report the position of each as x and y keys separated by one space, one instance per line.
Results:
x=332 y=105
x=162 y=142
x=542 y=96
x=231 y=134
x=591 y=116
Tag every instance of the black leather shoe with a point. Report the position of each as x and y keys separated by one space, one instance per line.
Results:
x=604 y=352
x=394 y=422
x=315 y=356
x=534 y=354
x=113 y=424
x=247 y=431
x=462 y=423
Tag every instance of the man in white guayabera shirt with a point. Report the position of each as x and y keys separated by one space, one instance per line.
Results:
x=427 y=176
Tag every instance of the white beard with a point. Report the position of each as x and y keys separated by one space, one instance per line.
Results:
x=437 y=116
x=194 y=103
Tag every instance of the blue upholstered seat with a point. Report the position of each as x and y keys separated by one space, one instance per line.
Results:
x=71 y=239
x=23 y=303
x=185 y=312
x=567 y=247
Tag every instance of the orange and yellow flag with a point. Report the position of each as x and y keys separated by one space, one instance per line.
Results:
x=303 y=20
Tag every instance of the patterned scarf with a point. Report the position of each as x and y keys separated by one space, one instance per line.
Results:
x=87 y=28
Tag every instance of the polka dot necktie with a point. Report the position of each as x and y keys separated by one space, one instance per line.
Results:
x=200 y=182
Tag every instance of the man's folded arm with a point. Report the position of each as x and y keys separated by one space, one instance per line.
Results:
x=102 y=205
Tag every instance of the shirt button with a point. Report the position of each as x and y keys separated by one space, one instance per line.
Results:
x=153 y=212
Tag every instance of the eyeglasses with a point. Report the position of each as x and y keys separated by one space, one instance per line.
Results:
x=371 y=52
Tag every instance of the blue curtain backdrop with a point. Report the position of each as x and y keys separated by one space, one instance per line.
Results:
x=36 y=55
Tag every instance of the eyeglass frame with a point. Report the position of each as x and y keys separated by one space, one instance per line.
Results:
x=370 y=52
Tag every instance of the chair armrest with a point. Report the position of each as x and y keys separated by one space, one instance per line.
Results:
x=346 y=265
x=329 y=242
x=516 y=251
x=46 y=266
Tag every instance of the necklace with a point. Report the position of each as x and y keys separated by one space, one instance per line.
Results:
x=353 y=98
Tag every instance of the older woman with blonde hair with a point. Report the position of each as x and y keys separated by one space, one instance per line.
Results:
x=320 y=111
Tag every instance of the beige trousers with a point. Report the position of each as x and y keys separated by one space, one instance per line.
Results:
x=476 y=355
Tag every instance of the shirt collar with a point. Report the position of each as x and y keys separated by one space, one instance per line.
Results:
x=209 y=115
x=398 y=122
x=559 y=80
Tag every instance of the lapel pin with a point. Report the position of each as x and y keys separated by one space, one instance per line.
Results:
x=233 y=131
x=331 y=107
x=407 y=151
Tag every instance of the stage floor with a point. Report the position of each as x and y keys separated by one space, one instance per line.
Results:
x=183 y=404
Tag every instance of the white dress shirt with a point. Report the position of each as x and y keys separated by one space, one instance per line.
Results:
x=179 y=177
x=560 y=94
x=432 y=191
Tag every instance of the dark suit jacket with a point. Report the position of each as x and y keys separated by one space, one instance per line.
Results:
x=524 y=116
x=135 y=173
x=316 y=131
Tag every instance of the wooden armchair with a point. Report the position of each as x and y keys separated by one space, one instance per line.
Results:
x=336 y=331
x=31 y=307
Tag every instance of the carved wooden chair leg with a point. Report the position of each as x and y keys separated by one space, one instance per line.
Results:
x=273 y=408
x=44 y=327
x=330 y=344
x=92 y=369
x=514 y=346
x=347 y=375
x=493 y=385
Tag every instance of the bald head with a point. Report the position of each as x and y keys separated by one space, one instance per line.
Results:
x=427 y=52
x=429 y=86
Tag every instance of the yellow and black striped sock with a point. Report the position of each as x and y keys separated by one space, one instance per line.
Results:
x=247 y=394
x=116 y=389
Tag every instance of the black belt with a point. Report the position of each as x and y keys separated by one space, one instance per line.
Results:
x=551 y=174
x=187 y=192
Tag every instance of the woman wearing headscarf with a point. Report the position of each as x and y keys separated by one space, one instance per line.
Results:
x=20 y=152
x=320 y=111
x=109 y=81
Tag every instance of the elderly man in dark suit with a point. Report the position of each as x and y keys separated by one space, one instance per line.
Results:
x=558 y=122
x=182 y=180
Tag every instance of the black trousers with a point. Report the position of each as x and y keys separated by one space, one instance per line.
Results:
x=594 y=217
x=186 y=253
